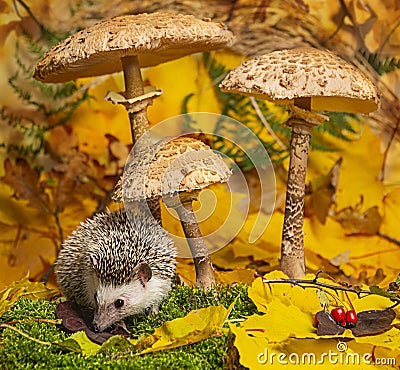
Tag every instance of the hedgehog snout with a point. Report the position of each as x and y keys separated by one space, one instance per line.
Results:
x=103 y=321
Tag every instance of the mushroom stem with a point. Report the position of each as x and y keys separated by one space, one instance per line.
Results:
x=134 y=88
x=138 y=120
x=292 y=249
x=202 y=261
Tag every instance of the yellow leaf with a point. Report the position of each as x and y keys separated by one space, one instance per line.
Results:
x=80 y=343
x=366 y=252
x=194 y=327
x=186 y=271
x=356 y=172
x=389 y=339
x=175 y=89
x=225 y=258
x=257 y=353
x=280 y=323
x=23 y=288
x=249 y=347
x=263 y=294
x=245 y=276
x=391 y=214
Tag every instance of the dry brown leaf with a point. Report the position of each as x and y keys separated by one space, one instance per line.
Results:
x=356 y=222
x=25 y=181
x=62 y=144
x=322 y=193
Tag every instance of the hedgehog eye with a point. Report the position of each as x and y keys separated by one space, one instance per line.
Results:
x=119 y=303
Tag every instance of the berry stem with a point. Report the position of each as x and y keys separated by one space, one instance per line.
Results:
x=350 y=303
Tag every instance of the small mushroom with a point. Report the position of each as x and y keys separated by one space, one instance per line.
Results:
x=128 y=43
x=305 y=80
x=176 y=170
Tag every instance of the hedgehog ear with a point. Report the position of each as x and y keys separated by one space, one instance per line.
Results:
x=143 y=272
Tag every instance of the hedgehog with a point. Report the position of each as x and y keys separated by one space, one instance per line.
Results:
x=117 y=265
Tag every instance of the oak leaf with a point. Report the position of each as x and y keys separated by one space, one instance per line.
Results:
x=354 y=221
x=26 y=183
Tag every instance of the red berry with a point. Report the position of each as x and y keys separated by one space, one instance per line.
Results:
x=351 y=317
x=338 y=314
x=316 y=321
x=344 y=323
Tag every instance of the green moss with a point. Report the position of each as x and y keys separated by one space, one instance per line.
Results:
x=17 y=352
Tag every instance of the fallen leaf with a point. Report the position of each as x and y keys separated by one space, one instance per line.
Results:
x=24 y=288
x=340 y=258
x=356 y=222
x=373 y=322
x=245 y=276
x=322 y=193
x=263 y=294
x=76 y=318
x=280 y=323
x=25 y=182
x=79 y=343
x=327 y=325
x=194 y=327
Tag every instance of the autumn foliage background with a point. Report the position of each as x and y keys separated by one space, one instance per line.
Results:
x=63 y=148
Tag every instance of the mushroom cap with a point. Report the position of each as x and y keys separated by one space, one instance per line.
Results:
x=282 y=76
x=155 y=38
x=171 y=166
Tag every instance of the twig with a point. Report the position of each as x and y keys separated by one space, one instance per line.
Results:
x=265 y=122
x=355 y=24
x=24 y=334
x=29 y=11
x=387 y=38
x=313 y=284
x=33 y=319
x=389 y=238
x=45 y=278
x=231 y=11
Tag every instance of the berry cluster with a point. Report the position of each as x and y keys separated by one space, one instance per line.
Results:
x=346 y=319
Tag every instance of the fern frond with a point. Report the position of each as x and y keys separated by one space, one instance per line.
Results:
x=386 y=65
x=52 y=102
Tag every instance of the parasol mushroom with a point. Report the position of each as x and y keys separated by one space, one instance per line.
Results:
x=176 y=170
x=304 y=80
x=128 y=43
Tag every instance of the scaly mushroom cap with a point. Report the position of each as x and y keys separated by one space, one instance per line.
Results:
x=155 y=38
x=282 y=76
x=169 y=167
